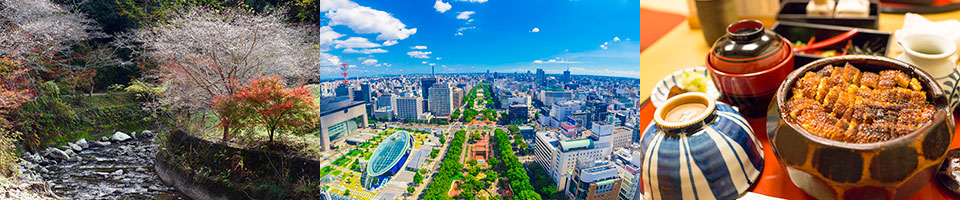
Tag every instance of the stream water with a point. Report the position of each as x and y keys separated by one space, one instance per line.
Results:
x=121 y=170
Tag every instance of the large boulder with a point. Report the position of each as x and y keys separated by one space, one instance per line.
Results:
x=58 y=154
x=75 y=147
x=146 y=134
x=120 y=137
x=83 y=143
x=100 y=143
x=70 y=152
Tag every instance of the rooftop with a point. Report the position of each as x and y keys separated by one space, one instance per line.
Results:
x=388 y=153
x=577 y=144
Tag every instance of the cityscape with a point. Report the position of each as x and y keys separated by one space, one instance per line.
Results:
x=570 y=135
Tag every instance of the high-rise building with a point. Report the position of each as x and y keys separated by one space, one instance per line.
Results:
x=541 y=77
x=559 y=155
x=598 y=181
x=385 y=101
x=409 y=107
x=425 y=85
x=345 y=91
x=566 y=76
x=519 y=112
x=628 y=163
x=457 y=98
x=441 y=101
x=365 y=94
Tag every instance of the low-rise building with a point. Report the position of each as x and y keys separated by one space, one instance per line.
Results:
x=597 y=181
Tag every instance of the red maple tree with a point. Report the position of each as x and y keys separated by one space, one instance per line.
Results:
x=266 y=102
x=12 y=94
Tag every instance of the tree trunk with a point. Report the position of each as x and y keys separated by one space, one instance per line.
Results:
x=226 y=133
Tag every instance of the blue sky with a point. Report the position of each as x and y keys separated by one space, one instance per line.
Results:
x=588 y=36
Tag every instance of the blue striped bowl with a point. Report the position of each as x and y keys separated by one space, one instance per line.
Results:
x=659 y=93
x=711 y=154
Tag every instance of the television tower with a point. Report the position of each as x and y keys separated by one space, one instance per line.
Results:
x=344 y=69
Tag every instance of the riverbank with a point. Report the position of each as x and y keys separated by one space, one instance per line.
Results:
x=116 y=167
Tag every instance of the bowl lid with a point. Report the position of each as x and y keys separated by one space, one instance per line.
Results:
x=684 y=110
x=747 y=48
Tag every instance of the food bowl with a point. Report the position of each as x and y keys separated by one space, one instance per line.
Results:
x=699 y=147
x=891 y=169
x=661 y=92
x=747 y=64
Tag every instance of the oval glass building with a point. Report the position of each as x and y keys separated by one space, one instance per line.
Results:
x=387 y=159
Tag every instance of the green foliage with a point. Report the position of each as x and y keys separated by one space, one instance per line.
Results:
x=449 y=168
x=52 y=120
x=417 y=178
x=411 y=189
x=435 y=151
x=346 y=193
x=8 y=159
x=543 y=183
x=493 y=162
x=513 y=129
x=519 y=180
x=469 y=114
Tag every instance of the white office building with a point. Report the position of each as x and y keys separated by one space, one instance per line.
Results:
x=559 y=155
x=409 y=107
x=441 y=100
x=617 y=136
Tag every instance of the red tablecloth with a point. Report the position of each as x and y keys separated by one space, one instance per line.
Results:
x=774 y=180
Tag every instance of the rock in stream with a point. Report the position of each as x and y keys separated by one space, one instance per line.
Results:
x=122 y=170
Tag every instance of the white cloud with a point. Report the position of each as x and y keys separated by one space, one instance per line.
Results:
x=458 y=34
x=535 y=30
x=390 y=42
x=606 y=44
x=326 y=36
x=466 y=28
x=465 y=14
x=441 y=6
x=419 y=54
x=554 y=60
x=438 y=58
x=365 y=51
x=433 y=64
x=363 y=20
x=424 y=62
x=419 y=47
x=474 y=1
x=369 y=62
x=355 y=42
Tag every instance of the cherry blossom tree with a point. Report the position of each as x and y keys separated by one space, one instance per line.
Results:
x=35 y=31
x=201 y=51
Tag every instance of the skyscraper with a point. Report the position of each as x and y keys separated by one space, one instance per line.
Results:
x=441 y=101
x=541 y=77
x=425 y=85
x=457 y=97
x=566 y=76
